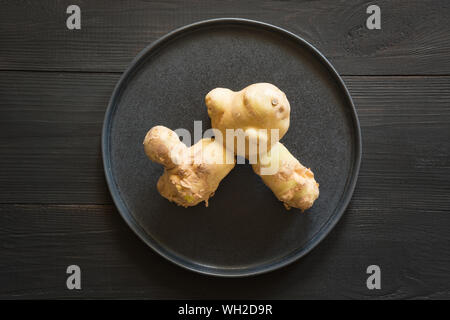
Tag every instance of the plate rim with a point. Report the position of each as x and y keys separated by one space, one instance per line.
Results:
x=195 y=266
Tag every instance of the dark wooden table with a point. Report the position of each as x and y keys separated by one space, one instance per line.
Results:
x=55 y=209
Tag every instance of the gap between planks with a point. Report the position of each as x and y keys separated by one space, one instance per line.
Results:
x=121 y=72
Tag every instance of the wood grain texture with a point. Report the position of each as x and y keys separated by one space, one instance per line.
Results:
x=50 y=132
x=51 y=128
x=414 y=38
x=55 y=209
x=50 y=125
x=38 y=242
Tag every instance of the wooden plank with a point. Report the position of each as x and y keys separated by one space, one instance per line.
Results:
x=50 y=132
x=413 y=38
x=38 y=242
x=405 y=124
x=399 y=216
x=50 y=128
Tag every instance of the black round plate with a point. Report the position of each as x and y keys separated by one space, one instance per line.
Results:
x=245 y=230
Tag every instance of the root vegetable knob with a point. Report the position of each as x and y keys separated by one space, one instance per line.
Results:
x=258 y=106
x=264 y=106
x=191 y=175
x=292 y=183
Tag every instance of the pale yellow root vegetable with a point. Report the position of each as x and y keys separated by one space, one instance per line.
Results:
x=293 y=184
x=258 y=106
x=191 y=175
x=264 y=106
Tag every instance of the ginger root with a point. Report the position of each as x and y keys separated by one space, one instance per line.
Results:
x=258 y=106
x=191 y=175
x=293 y=184
x=259 y=115
x=264 y=106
